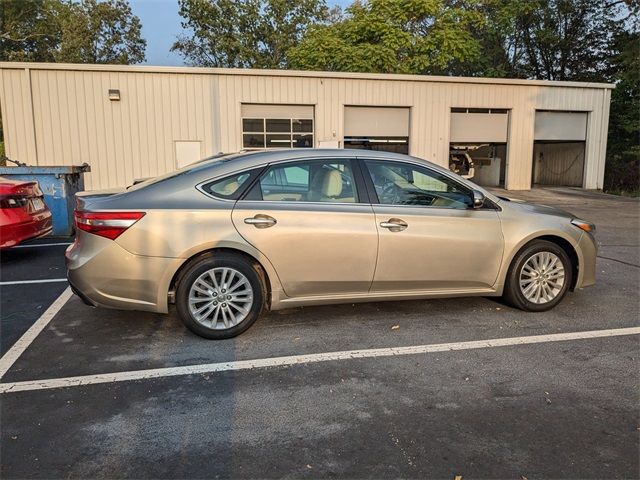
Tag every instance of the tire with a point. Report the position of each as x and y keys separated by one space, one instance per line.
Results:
x=537 y=289
x=234 y=315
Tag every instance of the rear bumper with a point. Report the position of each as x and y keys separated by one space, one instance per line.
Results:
x=86 y=300
x=103 y=274
x=38 y=225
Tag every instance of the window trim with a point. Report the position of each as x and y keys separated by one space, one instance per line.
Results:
x=362 y=197
x=373 y=195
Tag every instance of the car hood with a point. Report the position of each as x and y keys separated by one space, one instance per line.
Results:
x=536 y=209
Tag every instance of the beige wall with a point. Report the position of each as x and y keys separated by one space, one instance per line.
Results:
x=56 y=114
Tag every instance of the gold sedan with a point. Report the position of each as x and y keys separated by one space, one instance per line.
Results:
x=232 y=235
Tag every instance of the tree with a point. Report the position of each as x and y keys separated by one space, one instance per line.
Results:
x=244 y=33
x=99 y=32
x=85 y=31
x=568 y=39
x=392 y=36
x=28 y=31
x=623 y=147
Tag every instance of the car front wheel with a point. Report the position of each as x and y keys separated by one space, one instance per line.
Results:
x=220 y=296
x=539 y=277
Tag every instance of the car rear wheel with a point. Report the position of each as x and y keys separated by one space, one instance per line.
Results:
x=220 y=296
x=539 y=277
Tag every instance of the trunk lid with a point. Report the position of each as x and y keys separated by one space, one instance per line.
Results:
x=92 y=199
x=21 y=194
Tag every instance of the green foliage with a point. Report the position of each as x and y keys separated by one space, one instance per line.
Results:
x=28 y=31
x=244 y=33
x=622 y=171
x=99 y=32
x=85 y=31
x=567 y=39
x=392 y=36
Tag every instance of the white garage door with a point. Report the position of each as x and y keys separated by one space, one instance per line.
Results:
x=567 y=126
x=479 y=127
x=376 y=122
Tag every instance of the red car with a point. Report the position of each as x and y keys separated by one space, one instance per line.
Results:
x=23 y=213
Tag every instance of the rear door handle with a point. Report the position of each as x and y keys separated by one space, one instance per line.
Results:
x=394 y=224
x=261 y=221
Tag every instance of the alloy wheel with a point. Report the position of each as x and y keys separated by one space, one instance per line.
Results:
x=220 y=298
x=542 y=277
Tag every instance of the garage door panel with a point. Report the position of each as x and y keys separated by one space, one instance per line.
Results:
x=254 y=110
x=567 y=126
x=376 y=122
x=479 y=127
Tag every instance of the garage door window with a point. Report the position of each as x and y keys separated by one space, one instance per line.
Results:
x=277 y=133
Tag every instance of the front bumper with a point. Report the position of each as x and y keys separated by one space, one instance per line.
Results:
x=104 y=274
x=588 y=252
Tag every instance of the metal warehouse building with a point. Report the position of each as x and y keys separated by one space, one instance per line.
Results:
x=131 y=122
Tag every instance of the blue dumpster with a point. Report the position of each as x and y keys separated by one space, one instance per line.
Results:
x=59 y=185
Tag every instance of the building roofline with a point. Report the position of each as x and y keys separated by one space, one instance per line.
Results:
x=299 y=73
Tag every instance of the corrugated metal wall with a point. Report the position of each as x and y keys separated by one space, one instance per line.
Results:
x=61 y=114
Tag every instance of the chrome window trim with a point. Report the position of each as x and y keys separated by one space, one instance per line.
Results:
x=418 y=163
x=282 y=202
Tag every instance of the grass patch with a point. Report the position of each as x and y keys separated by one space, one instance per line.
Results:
x=624 y=193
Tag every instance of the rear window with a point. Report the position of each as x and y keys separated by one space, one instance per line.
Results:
x=194 y=167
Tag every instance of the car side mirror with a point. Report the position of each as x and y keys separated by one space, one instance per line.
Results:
x=478 y=199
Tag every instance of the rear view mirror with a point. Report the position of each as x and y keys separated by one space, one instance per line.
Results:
x=478 y=199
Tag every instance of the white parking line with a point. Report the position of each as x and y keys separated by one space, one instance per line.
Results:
x=33 y=245
x=23 y=282
x=301 y=359
x=21 y=345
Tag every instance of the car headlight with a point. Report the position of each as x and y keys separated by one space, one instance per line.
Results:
x=584 y=225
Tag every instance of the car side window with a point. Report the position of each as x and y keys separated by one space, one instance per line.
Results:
x=399 y=183
x=306 y=181
x=229 y=187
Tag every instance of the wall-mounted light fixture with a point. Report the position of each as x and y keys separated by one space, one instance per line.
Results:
x=114 y=94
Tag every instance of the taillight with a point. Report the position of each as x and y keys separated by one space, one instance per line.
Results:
x=106 y=224
x=13 y=201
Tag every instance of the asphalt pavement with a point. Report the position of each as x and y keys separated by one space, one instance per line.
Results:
x=555 y=409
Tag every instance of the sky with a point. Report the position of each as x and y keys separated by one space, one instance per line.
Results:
x=161 y=26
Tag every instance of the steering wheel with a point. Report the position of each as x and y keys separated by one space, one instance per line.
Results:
x=391 y=193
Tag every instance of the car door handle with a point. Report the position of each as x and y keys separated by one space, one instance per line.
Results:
x=261 y=221
x=394 y=224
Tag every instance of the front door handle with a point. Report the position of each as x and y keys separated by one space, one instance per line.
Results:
x=394 y=224
x=261 y=221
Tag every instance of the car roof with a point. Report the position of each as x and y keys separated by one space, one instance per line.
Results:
x=292 y=154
